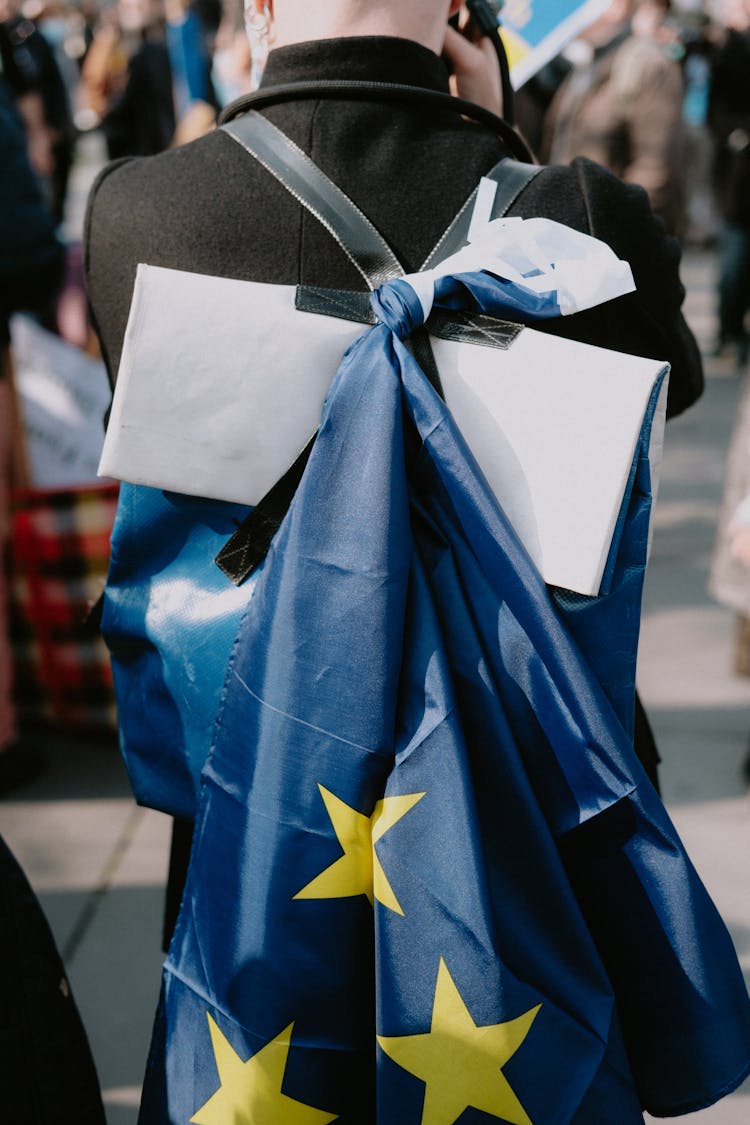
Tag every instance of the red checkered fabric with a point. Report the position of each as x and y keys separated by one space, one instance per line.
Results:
x=59 y=560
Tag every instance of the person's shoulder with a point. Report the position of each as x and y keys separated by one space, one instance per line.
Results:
x=151 y=179
x=648 y=321
x=585 y=196
x=138 y=200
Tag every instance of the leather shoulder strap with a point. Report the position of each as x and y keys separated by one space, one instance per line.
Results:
x=358 y=238
x=511 y=177
x=376 y=262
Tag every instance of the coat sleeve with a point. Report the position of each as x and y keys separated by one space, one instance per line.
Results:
x=648 y=322
x=109 y=273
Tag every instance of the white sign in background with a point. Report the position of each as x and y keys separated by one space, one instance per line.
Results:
x=63 y=396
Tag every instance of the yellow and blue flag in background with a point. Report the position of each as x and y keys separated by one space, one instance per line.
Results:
x=534 y=31
x=430 y=882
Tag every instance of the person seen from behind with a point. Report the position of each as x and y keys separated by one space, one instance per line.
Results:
x=729 y=121
x=622 y=106
x=31 y=268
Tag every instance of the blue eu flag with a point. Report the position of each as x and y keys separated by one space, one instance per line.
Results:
x=430 y=882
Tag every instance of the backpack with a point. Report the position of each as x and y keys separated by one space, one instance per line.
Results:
x=186 y=541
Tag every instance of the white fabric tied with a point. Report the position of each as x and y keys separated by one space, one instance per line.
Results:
x=540 y=256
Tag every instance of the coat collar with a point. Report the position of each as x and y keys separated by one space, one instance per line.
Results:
x=364 y=59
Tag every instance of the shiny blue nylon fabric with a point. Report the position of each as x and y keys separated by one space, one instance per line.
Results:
x=400 y=642
x=605 y=628
x=397 y=304
x=169 y=619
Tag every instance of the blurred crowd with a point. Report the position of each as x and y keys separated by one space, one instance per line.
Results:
x=148 y=73
x=654 y=90
x=658 y=93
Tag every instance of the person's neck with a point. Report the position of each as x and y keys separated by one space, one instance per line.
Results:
x=317 y=24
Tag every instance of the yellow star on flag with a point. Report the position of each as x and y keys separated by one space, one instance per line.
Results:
x=461 y=1063
x=250 y=1092
x=359 y=871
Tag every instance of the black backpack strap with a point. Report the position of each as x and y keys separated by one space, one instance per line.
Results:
x=364 y=246
x=249 y=544
x=361 y=242
x=372 y=256
x=511 y=177
x=358 y=238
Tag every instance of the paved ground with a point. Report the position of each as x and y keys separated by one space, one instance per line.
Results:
x=700 y=710
x=98 y=863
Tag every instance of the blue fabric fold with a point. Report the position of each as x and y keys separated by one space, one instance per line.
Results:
x=422 y=810
x=169 y=619
x=398 y=307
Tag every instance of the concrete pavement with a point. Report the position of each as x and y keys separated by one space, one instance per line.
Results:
x=99 y=863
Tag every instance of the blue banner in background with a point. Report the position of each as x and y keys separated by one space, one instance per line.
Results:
x=534 y=32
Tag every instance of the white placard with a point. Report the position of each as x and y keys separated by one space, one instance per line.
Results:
x=554 y=426
x=221 y=384
x=63 y=396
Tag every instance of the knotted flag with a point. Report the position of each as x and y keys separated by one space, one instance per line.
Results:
x=430 y=881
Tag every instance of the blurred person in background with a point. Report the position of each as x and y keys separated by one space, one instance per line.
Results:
x=128 y=79
x=533 y=99
x=35 y=80
x=232 y=56
x=190 y=45
x=147 y=75
x=700 y=35
x=104 y=66
x=31 y=265
x=729 y=120
x=20 y=89
x=729 y=579
x=622 y=104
